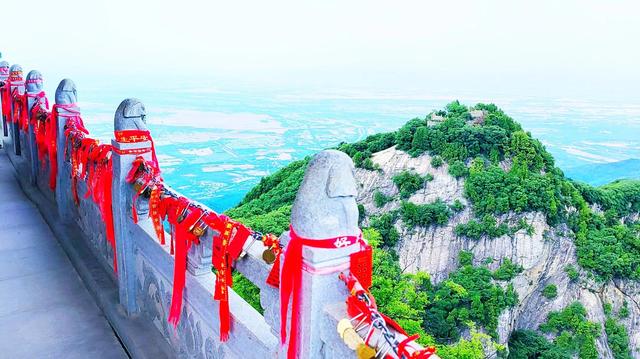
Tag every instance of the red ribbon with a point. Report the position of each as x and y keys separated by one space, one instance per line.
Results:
x=52 y=133
x=39 y=109
x=20 y=113
x=6 y=100
x=102 y=193
x=183 y=238
x=80 y=146
x=14 y=80
x=90 y=161
x=224 y=280
x=291 y=281
x=137 y=136
x=157 y=212
x=227 y=247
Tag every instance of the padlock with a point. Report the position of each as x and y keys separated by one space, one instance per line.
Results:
x=269 y=256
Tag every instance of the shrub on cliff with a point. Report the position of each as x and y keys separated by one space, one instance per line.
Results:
x=469 y=294
x=409 y=182
x=550 y=291
x=380 y=199
x=617 y=338
x=574 y=333
x=425 y=215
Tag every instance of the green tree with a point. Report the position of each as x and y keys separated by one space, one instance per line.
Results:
x=550 y=291
x=458 y=169
x=436 y=161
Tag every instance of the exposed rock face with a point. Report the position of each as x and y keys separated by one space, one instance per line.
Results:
x=544 y=255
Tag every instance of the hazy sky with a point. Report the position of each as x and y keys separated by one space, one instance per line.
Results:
x=526 y=47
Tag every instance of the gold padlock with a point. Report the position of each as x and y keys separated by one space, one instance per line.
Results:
x=365 y=352
x=139 y=186
x=349 y=335
x=198 y=231
x=269 y=256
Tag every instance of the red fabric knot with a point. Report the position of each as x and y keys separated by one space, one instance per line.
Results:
x=137 y=136
x=291 y=281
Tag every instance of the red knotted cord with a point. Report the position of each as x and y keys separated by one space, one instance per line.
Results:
x=51 y=132
x=291 y=281
x=39 y=116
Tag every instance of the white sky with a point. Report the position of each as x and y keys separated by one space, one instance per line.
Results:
x=528 y=47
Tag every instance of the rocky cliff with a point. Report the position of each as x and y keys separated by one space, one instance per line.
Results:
x=544 y=253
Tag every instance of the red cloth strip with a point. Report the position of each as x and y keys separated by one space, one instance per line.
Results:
x=291 y=281
x=132 y=151
x=137 y=136
x=183 y=240
x=38 y=110
x=52 y=133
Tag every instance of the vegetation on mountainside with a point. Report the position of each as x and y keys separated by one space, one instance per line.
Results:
x=507 y=270
x=436 y=161
x=467 y=295
x=488 y=227
x=572 y=273
x=550 y=291
x=506 y=171
x=380 y=199
x=384 y=224
x=574 y=335
x=409 y=182
x=617 y=338
x=619 y=198
x=425 y=215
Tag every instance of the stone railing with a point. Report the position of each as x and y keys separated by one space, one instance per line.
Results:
x=325 y=207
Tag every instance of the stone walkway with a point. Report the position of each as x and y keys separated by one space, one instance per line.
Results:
x=45 y=310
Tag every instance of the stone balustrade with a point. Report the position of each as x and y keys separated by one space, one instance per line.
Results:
x=325 y=207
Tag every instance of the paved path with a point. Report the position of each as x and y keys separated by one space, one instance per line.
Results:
x=45 y=310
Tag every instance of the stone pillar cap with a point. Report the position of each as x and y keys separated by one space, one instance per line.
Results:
x=130 y=115
x=66 y=92
x=4 y=74
x=15 y=67
x=34 y=87
x=325 y=206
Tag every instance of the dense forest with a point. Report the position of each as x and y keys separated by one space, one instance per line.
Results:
x=505 y=170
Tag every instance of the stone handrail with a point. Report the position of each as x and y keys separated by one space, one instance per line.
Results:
x=325 y=207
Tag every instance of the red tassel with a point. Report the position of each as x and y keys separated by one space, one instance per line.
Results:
x=361 y=265
x=274 y=275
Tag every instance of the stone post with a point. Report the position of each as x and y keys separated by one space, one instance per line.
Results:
x=66 y=94
x=130 y=115
x=4 y=75
x=325 y=207
x=33 y=87
x=17 y=84
x=199 y=257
